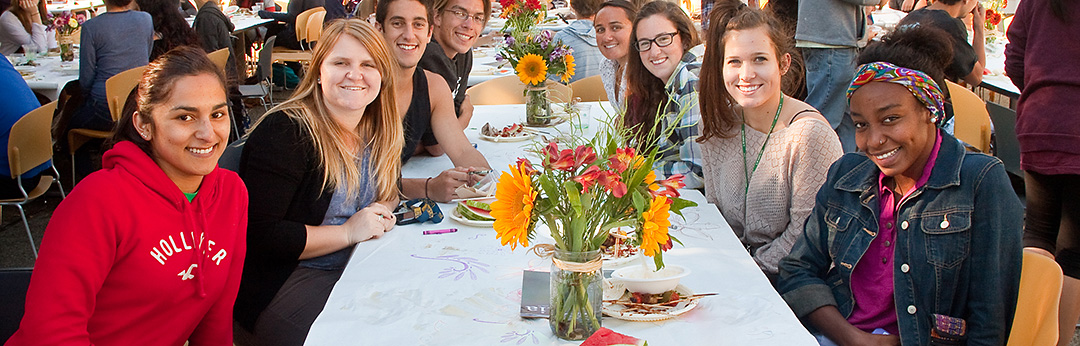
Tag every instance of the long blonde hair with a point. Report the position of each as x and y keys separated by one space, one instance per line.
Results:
x=380 y=123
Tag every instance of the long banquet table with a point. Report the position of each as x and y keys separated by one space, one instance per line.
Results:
x=463 y=288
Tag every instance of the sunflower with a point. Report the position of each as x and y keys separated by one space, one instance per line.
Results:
x=532 y=69
x=569 y=68
x=655 y=226
x=513 y=208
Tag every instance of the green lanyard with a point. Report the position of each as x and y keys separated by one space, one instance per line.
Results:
x=750 y=173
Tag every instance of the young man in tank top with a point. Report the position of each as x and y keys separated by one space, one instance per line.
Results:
x=425 y=103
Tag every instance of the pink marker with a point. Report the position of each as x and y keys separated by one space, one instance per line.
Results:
x=440 y=231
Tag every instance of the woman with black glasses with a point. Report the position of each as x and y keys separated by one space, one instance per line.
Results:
x=662 y=90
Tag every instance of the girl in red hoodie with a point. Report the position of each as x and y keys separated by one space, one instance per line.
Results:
x=149 y=250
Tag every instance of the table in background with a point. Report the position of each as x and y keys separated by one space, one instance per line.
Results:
x=463 y=288
x=75 y=6
x=50 y=75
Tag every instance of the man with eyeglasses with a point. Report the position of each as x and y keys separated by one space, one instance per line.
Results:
x=458 y=23
x=425 y=103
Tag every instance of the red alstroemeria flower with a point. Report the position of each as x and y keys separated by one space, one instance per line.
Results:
x=532 y=4
x=588 y=178
x=565 y=162
x=550 y=152
x=669 y=244
x=584 y=155
x=613 y=183
x=526 y=166
x=622 y=158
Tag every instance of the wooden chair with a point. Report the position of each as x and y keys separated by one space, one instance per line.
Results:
x=589 y=89
x=301 y=24
x=220 y=57
x=510 y=90
x=314 y=28
x=1036 y=320
x=971 y=119
x=30 y=146
x=117 y=89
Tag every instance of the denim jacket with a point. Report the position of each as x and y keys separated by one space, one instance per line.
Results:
x=957 y=251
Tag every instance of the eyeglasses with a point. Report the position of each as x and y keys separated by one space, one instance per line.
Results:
x=661 y=40
x=464 y=16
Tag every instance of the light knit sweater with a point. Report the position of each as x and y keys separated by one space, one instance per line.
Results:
x=782 y=189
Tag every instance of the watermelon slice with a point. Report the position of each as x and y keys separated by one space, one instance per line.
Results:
x=608 y=337
x=478 y=204
x=474 y=213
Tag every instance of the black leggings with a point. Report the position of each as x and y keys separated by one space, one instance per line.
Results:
x=1052 y=222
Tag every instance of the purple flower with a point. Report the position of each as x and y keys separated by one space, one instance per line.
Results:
x=499 y=57
x=547 y=34
x=509 y=40
x=557 y=53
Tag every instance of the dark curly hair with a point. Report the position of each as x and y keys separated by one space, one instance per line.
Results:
x=914 y=46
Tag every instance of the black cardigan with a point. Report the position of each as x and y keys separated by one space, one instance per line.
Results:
x=280 y=166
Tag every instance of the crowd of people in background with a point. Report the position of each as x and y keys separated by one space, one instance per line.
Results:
x=830 y=155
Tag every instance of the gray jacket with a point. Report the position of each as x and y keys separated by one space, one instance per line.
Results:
x=834 y=22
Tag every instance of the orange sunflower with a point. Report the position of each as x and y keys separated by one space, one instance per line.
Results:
x=513 y=207
x=531 y=69
x=569 y=68
x=655 y=226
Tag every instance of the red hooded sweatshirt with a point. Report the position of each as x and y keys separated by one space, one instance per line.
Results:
x=127 y=260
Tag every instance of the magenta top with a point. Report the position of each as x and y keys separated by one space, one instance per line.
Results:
x=872 y=277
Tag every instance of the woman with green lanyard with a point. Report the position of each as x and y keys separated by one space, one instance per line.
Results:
x=766 y=154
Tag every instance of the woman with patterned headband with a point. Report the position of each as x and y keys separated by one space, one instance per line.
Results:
x=913 y=240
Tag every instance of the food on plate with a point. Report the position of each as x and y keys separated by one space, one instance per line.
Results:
x=669 y=298
x=514 y=130
x=618 y=245
x=475 y=210
x=608 y=337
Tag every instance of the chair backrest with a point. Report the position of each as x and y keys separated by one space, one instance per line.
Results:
x=14 y=283
x=1006 y=145
x=220 y=57
x=230 y=159
x=590 y=89
x=301 y=22
x=315 y=25
x=510 y=90
x=30 y=140
x=1036 y=319
x=118 y=87
x=266 y=59
x=971 y=120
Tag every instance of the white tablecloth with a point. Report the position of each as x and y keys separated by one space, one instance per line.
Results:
x=464 y=288
x=75 y=6
x=50 y=75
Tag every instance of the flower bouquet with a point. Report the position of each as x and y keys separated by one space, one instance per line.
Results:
x=993 y=12
x=533 y=56
x=66 y=26
x=581 y=194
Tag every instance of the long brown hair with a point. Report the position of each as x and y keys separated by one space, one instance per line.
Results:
x=718 y=116
x=24 y=16
x=645 y=92
x=380 y=128
x=156 y=86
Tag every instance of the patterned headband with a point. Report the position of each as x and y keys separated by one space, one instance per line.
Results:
x=921 y=85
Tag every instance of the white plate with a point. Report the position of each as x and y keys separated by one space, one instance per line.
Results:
x=454 y=215
x=524 y=136
x=615 y=310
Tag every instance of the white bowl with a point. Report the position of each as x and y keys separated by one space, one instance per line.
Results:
x=635 y=279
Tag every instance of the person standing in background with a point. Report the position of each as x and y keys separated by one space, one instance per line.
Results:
x=828 y=32
x=1041 y=60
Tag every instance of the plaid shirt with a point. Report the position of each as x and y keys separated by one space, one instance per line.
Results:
x=680 y=152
